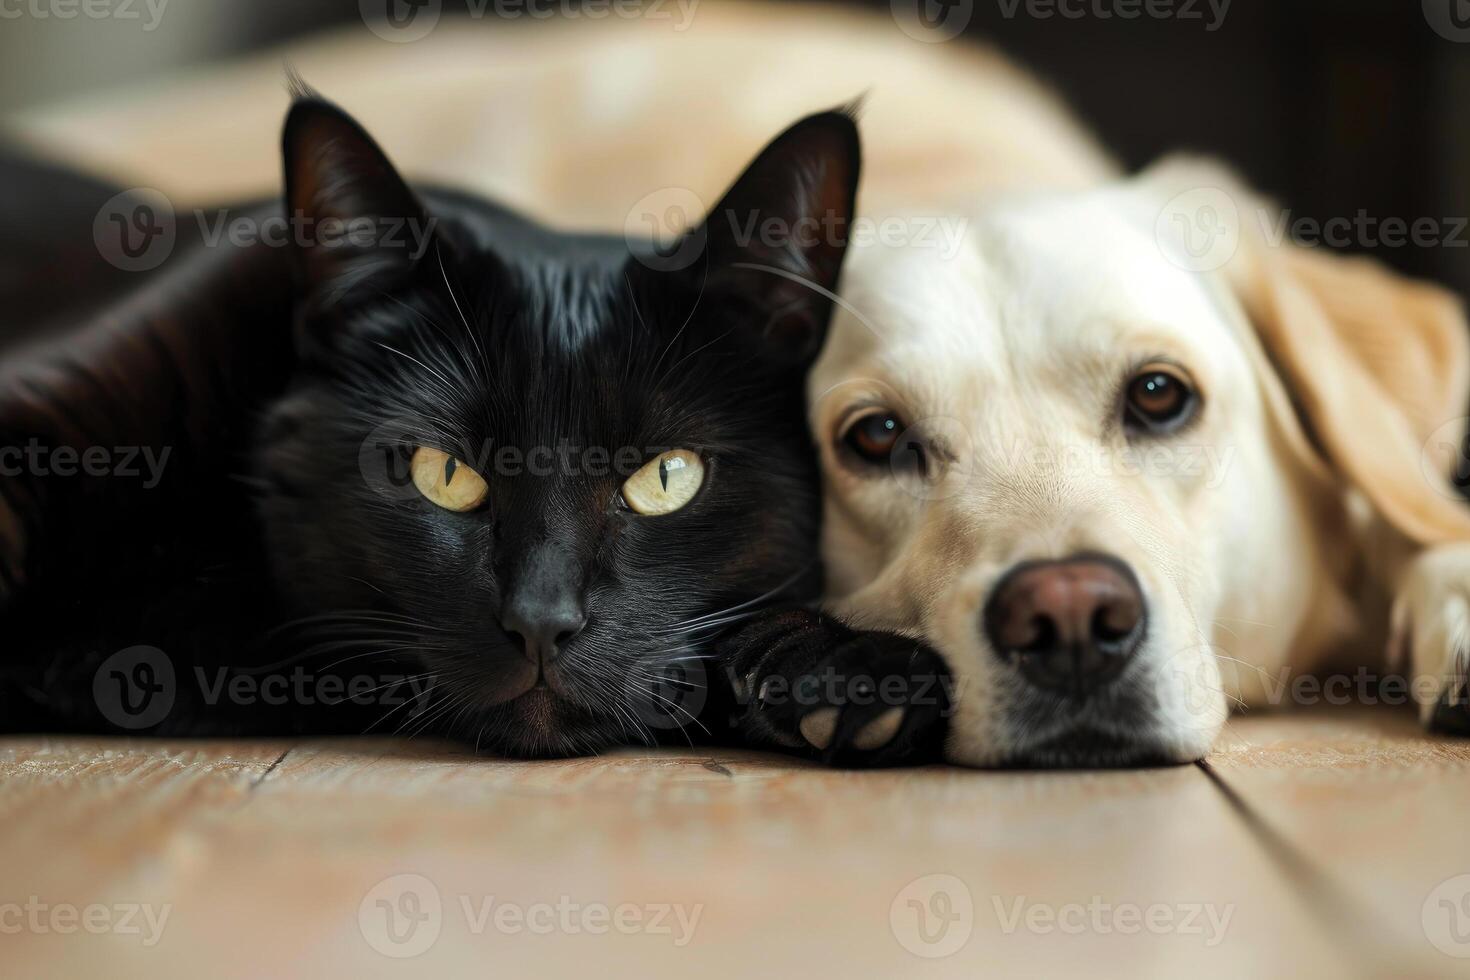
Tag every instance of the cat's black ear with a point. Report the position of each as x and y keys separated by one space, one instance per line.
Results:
x=355 y=224
x=770 y=252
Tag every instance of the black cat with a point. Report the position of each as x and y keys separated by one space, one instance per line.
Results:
x=413 y=443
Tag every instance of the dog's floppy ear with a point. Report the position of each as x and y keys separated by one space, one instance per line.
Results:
x=1375 y=363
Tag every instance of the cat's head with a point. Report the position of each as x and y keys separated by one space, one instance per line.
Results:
x=537 y=463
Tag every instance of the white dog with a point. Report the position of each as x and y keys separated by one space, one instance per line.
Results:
x=1125 y=460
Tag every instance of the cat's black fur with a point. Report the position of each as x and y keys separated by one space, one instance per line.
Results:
x=291 y=384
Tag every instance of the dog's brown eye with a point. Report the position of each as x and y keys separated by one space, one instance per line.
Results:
x=1159 y=399
x=872 y=436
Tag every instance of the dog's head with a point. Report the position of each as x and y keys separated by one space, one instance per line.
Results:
x=1113 y=465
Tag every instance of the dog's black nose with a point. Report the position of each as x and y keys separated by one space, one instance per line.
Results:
x=1070 y=625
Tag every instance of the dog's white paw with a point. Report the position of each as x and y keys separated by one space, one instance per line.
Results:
x=1430 y=633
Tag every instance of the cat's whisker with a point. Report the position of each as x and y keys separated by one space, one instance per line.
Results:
x=373 y=690
x=715 y=624
x=451 y=344
x=469 y=331
x=316 y=649
x=352 y=616
x=428 y=690
x=763 y=597
x=449 y=388
x=429 y=712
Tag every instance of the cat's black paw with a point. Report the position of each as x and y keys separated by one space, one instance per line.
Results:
x=804 y=681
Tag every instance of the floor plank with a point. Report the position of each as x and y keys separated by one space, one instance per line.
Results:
x=1377 y=811
x=289 y=866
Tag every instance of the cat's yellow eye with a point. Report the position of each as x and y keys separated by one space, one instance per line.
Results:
x=446 y=481
x=665 y=483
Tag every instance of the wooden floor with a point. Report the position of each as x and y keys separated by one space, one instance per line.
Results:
x=1313 y=844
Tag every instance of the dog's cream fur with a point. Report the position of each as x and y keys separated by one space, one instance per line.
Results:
x=1274 y=535
x=1265 y=541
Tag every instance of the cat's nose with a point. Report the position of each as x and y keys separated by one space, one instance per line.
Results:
x=544 y=624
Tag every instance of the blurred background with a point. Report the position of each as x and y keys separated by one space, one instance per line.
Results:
x=1335 y=107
